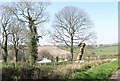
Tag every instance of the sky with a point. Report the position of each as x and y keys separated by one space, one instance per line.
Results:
x=60 y=0
x=103 y=14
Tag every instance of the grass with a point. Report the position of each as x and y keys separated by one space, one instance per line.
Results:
x=99 y=73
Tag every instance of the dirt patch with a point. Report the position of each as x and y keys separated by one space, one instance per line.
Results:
x=115 y=76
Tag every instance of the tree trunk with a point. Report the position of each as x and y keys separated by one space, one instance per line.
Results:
x=71 y=48
x=4 y=47
x=16 y=54
x=33 y=42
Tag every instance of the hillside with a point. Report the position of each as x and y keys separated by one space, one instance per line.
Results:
x=54 y=51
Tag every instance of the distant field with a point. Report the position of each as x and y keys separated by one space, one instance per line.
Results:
x=112 y=50
x=98 y=51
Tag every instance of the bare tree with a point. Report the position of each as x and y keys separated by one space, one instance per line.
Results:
x=45 y=54
x=5 y=21
x=72 y=26
x=18 y=36
x=33 y=14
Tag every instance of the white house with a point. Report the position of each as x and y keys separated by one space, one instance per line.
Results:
x=1 y=60
x=45 y=60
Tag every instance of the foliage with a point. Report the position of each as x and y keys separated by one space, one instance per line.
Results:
x=27 y=71
x=55 y=70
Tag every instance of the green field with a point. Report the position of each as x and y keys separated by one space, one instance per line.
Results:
x=112 y=50
x=98 y=51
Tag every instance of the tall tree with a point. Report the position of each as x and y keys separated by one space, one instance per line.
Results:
x=5 y=21
x=72 y=25
x=33 y=14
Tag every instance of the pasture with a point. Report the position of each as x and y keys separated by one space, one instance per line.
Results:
x=109 y=50
x=96 y=51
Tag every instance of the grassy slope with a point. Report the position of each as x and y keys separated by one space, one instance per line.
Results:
x=101 y=72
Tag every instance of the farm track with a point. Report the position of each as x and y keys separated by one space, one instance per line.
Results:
x=115 y=76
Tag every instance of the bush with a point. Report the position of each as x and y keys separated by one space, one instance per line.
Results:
x=35 y=71
x=25 y=71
